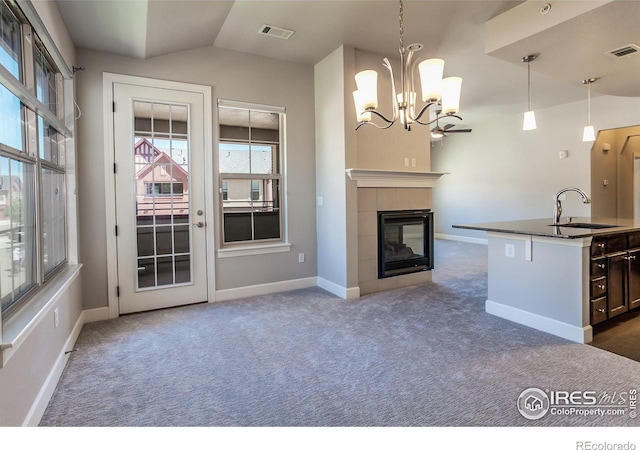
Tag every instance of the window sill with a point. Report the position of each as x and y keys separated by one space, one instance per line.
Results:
x=250 y=250
x=17 y=328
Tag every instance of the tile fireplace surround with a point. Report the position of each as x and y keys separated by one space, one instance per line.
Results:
x=386 y=191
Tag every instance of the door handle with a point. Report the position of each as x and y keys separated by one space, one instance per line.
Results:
x=199 y=224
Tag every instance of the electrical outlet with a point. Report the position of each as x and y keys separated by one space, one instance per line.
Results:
x=509 y=250
x=300 y=257
x=406 y=162
x=413 y=162
x=56 y=318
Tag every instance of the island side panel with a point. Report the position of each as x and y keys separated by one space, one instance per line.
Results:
x=544 y=284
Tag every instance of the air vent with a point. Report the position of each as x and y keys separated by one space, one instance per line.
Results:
x=627 y=50
x=281 y=33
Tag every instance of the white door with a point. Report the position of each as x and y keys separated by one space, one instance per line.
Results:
x=160 y=197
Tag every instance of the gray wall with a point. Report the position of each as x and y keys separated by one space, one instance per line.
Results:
x=331 y=157
x=235 y=76
x=499 y=172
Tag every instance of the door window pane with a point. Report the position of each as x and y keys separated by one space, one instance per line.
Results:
x=161 y=154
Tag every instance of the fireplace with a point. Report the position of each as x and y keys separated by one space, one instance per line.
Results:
x=405 y=242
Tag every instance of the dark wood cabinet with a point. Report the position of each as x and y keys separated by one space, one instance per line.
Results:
x=614 y=275
x=617 y=284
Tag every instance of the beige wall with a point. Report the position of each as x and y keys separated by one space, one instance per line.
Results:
x=499 y=172
x=234 y=76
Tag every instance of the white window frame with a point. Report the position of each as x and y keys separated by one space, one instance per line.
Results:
x=256 y=247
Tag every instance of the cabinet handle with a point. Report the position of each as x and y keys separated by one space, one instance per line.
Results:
x=600 y=244
x=600 y=266
x=600 y=286
x=601 y=310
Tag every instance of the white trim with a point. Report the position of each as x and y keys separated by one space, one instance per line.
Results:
x=368 y=178
x=96 y=314
x=46 y=391
x=340 y=291
x=454 y=237
x=18 y=328
x=248 y=105
x=249 y=250
x=267 y=288
x=573 y=333
x=108 y=80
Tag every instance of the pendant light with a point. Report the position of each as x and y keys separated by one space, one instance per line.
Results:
x=589 y=133
x=529 y=122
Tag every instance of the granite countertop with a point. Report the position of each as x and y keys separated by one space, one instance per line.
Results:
x=543 y=227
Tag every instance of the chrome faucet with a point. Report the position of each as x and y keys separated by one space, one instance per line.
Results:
x=557 y=207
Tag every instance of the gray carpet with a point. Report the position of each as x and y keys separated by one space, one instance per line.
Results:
x=419 y=356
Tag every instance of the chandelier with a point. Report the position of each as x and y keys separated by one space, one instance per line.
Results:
x=441 y=93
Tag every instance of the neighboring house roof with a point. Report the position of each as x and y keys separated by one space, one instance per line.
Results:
x=155 y=157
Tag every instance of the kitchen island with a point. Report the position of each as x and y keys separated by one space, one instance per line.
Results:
x=562 y=279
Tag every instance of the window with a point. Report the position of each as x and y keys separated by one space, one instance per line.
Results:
x=249 y=162
x=10 y=51
x=158 y=189
x=33 y=216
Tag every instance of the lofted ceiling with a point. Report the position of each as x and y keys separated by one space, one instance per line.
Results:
x=482 y=41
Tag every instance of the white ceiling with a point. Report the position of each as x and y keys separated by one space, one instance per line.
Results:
x=569 y=42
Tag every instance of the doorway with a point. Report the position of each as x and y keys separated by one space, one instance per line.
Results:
x=161 y=206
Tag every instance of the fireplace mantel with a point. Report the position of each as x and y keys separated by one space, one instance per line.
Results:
x=371 y=178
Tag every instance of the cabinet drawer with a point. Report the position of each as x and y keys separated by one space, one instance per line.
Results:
x=634 y=240
x=598 y=287
x=598 y=310
x=598 y=268
x=598 y=247
x=617 y=243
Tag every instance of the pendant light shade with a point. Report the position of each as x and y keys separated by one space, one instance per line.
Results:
x=589 y=132
x=529 y=122
x=367 y=82
x=431 y=71
x=451 y=87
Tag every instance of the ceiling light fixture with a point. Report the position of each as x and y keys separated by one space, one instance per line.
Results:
x=589 y=133
x=529 y=122
x=443 y=94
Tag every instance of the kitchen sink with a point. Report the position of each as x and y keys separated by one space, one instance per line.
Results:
x=593 y=226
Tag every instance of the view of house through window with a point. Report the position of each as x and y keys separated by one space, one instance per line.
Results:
x=249 y=162
x=33 y=238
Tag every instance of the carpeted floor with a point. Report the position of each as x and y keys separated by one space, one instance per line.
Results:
x=419 y=356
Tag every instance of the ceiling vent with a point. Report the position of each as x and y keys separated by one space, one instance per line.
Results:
x=627 y=50
x=281 y=33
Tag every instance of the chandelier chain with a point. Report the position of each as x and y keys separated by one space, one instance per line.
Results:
x=401 y=20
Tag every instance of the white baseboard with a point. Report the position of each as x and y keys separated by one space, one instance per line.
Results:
x=455 y=237
x=46 y=391
x=340 y=291
x=267 y=288
x=96 y=314
x=573 y=333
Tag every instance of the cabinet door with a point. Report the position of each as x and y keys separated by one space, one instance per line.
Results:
x=617 y=275
x=634 y=279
